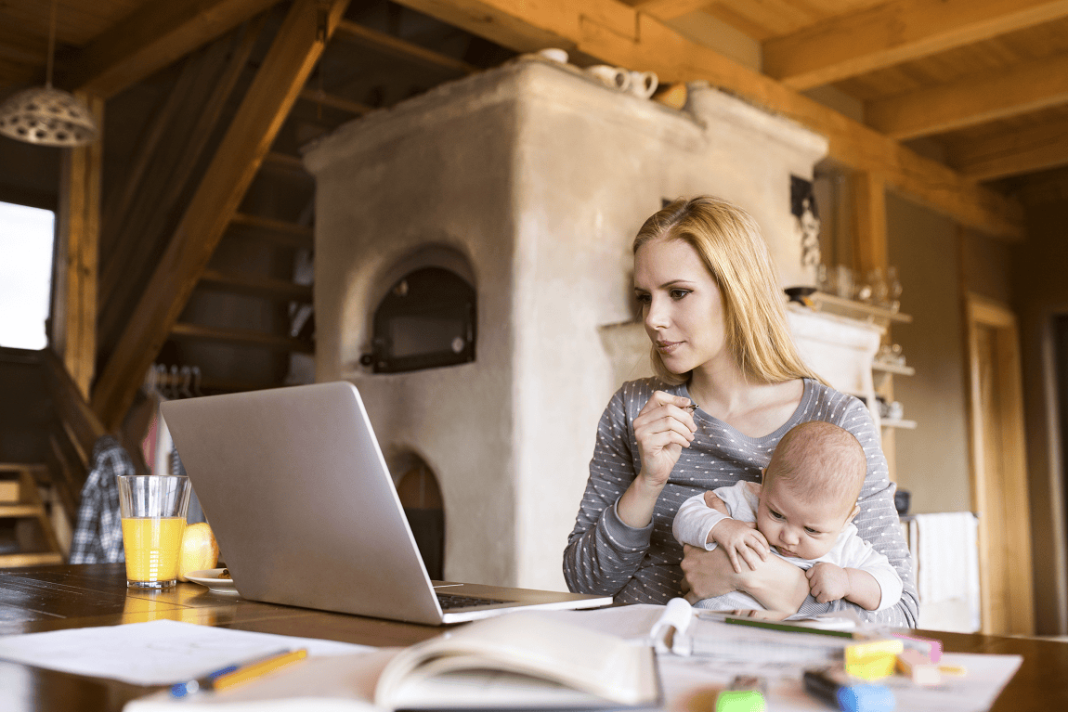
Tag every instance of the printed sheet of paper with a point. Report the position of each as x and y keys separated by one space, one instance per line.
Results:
x=159 y=652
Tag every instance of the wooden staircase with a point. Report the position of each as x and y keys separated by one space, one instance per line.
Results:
x=26 y=525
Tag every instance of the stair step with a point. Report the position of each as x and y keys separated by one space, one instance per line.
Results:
x=36 y=559
x=256 y=286
x=287 y=163
x=242 y=337
x=20 y=511
x=337 y=102
x=299 y=237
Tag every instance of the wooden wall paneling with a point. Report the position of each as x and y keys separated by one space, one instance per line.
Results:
x=126 y=228
x=117 y=203
x=972 y=101
x=172 y=174
x=153 y=37
x=280 y=78
x=893 y=33
x=617 y=34
x=78 y=233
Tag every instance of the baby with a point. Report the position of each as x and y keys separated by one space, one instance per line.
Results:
x=804 y=509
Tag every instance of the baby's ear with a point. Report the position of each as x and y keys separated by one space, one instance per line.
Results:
x=853 y=514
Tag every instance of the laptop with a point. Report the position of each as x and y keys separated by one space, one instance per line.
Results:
x=306 y=514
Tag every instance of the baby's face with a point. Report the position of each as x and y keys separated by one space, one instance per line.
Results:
x=802 y=529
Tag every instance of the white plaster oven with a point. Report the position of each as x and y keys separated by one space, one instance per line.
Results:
x=533 y=179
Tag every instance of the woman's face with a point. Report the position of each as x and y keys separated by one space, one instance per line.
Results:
x=682 y=306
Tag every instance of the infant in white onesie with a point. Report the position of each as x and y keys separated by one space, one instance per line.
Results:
x=803 y=513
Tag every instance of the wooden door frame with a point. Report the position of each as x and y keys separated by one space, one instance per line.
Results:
x=1012 y=574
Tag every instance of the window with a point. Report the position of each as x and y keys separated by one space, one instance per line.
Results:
x=27 y=236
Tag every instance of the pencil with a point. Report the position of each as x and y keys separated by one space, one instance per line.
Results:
x=251 y=672
x=204 y=682
x=786 y=627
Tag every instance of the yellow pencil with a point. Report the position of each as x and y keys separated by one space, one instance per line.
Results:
x=259 y=669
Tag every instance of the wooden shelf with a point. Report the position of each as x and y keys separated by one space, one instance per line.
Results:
x=856 y=310
x=903 y=424
x=893 y=368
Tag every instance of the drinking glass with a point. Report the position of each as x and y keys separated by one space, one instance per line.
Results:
x=153 y=509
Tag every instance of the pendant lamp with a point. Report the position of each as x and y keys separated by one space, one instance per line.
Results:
x=47 y=116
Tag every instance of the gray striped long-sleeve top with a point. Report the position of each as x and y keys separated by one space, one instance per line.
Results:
x=605 y=556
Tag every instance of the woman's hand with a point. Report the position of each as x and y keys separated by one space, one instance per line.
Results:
x=707 y=573
x=663 y=428
x=776 y=584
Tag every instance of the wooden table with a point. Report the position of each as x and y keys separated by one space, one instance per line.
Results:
x=57 y=597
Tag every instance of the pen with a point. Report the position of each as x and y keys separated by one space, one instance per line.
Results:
x=238 y=673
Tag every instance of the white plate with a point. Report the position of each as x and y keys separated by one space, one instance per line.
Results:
x=210 y=578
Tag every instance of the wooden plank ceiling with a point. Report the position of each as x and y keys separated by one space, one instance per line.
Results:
x=967 y=75
x=961 y=105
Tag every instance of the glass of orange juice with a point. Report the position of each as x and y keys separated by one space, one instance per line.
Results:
x=153 y=509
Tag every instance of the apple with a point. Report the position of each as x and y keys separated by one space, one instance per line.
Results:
x=199 y=550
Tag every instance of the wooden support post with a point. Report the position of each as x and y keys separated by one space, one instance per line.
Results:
x=76 y=269
x=276 y=86
x=869 y=222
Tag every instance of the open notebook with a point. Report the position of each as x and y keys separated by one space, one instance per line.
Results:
x=300 y=499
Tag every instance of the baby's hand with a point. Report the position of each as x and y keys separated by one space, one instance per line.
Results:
x=827 y=582
x=741 y=539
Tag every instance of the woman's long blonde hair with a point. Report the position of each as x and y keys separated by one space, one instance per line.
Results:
x=733 y=250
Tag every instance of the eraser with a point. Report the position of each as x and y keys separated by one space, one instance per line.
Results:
x=919 y=667
x=931 y=647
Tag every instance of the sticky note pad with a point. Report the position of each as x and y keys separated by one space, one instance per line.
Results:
x=739 y=701
x=873 y=659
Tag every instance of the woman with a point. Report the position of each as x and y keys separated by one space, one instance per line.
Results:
x=713 y=310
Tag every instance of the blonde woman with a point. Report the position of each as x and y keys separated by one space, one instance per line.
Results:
x=713 y=310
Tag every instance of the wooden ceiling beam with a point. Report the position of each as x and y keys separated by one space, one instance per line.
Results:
x=972 y=101
x=1038 y=148
x=151 y=38
x=893 y=33
x=381 y=42
x=670 y=9
x=617 y=34
x=285 y=69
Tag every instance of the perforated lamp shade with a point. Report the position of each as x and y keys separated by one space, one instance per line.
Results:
x=47 y=117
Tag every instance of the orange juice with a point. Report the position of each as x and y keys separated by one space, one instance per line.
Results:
x=152 y=546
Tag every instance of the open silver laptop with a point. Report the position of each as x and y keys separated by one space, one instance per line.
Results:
x=304 y=509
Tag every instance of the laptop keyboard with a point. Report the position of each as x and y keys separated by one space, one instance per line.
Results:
x=451 y=601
